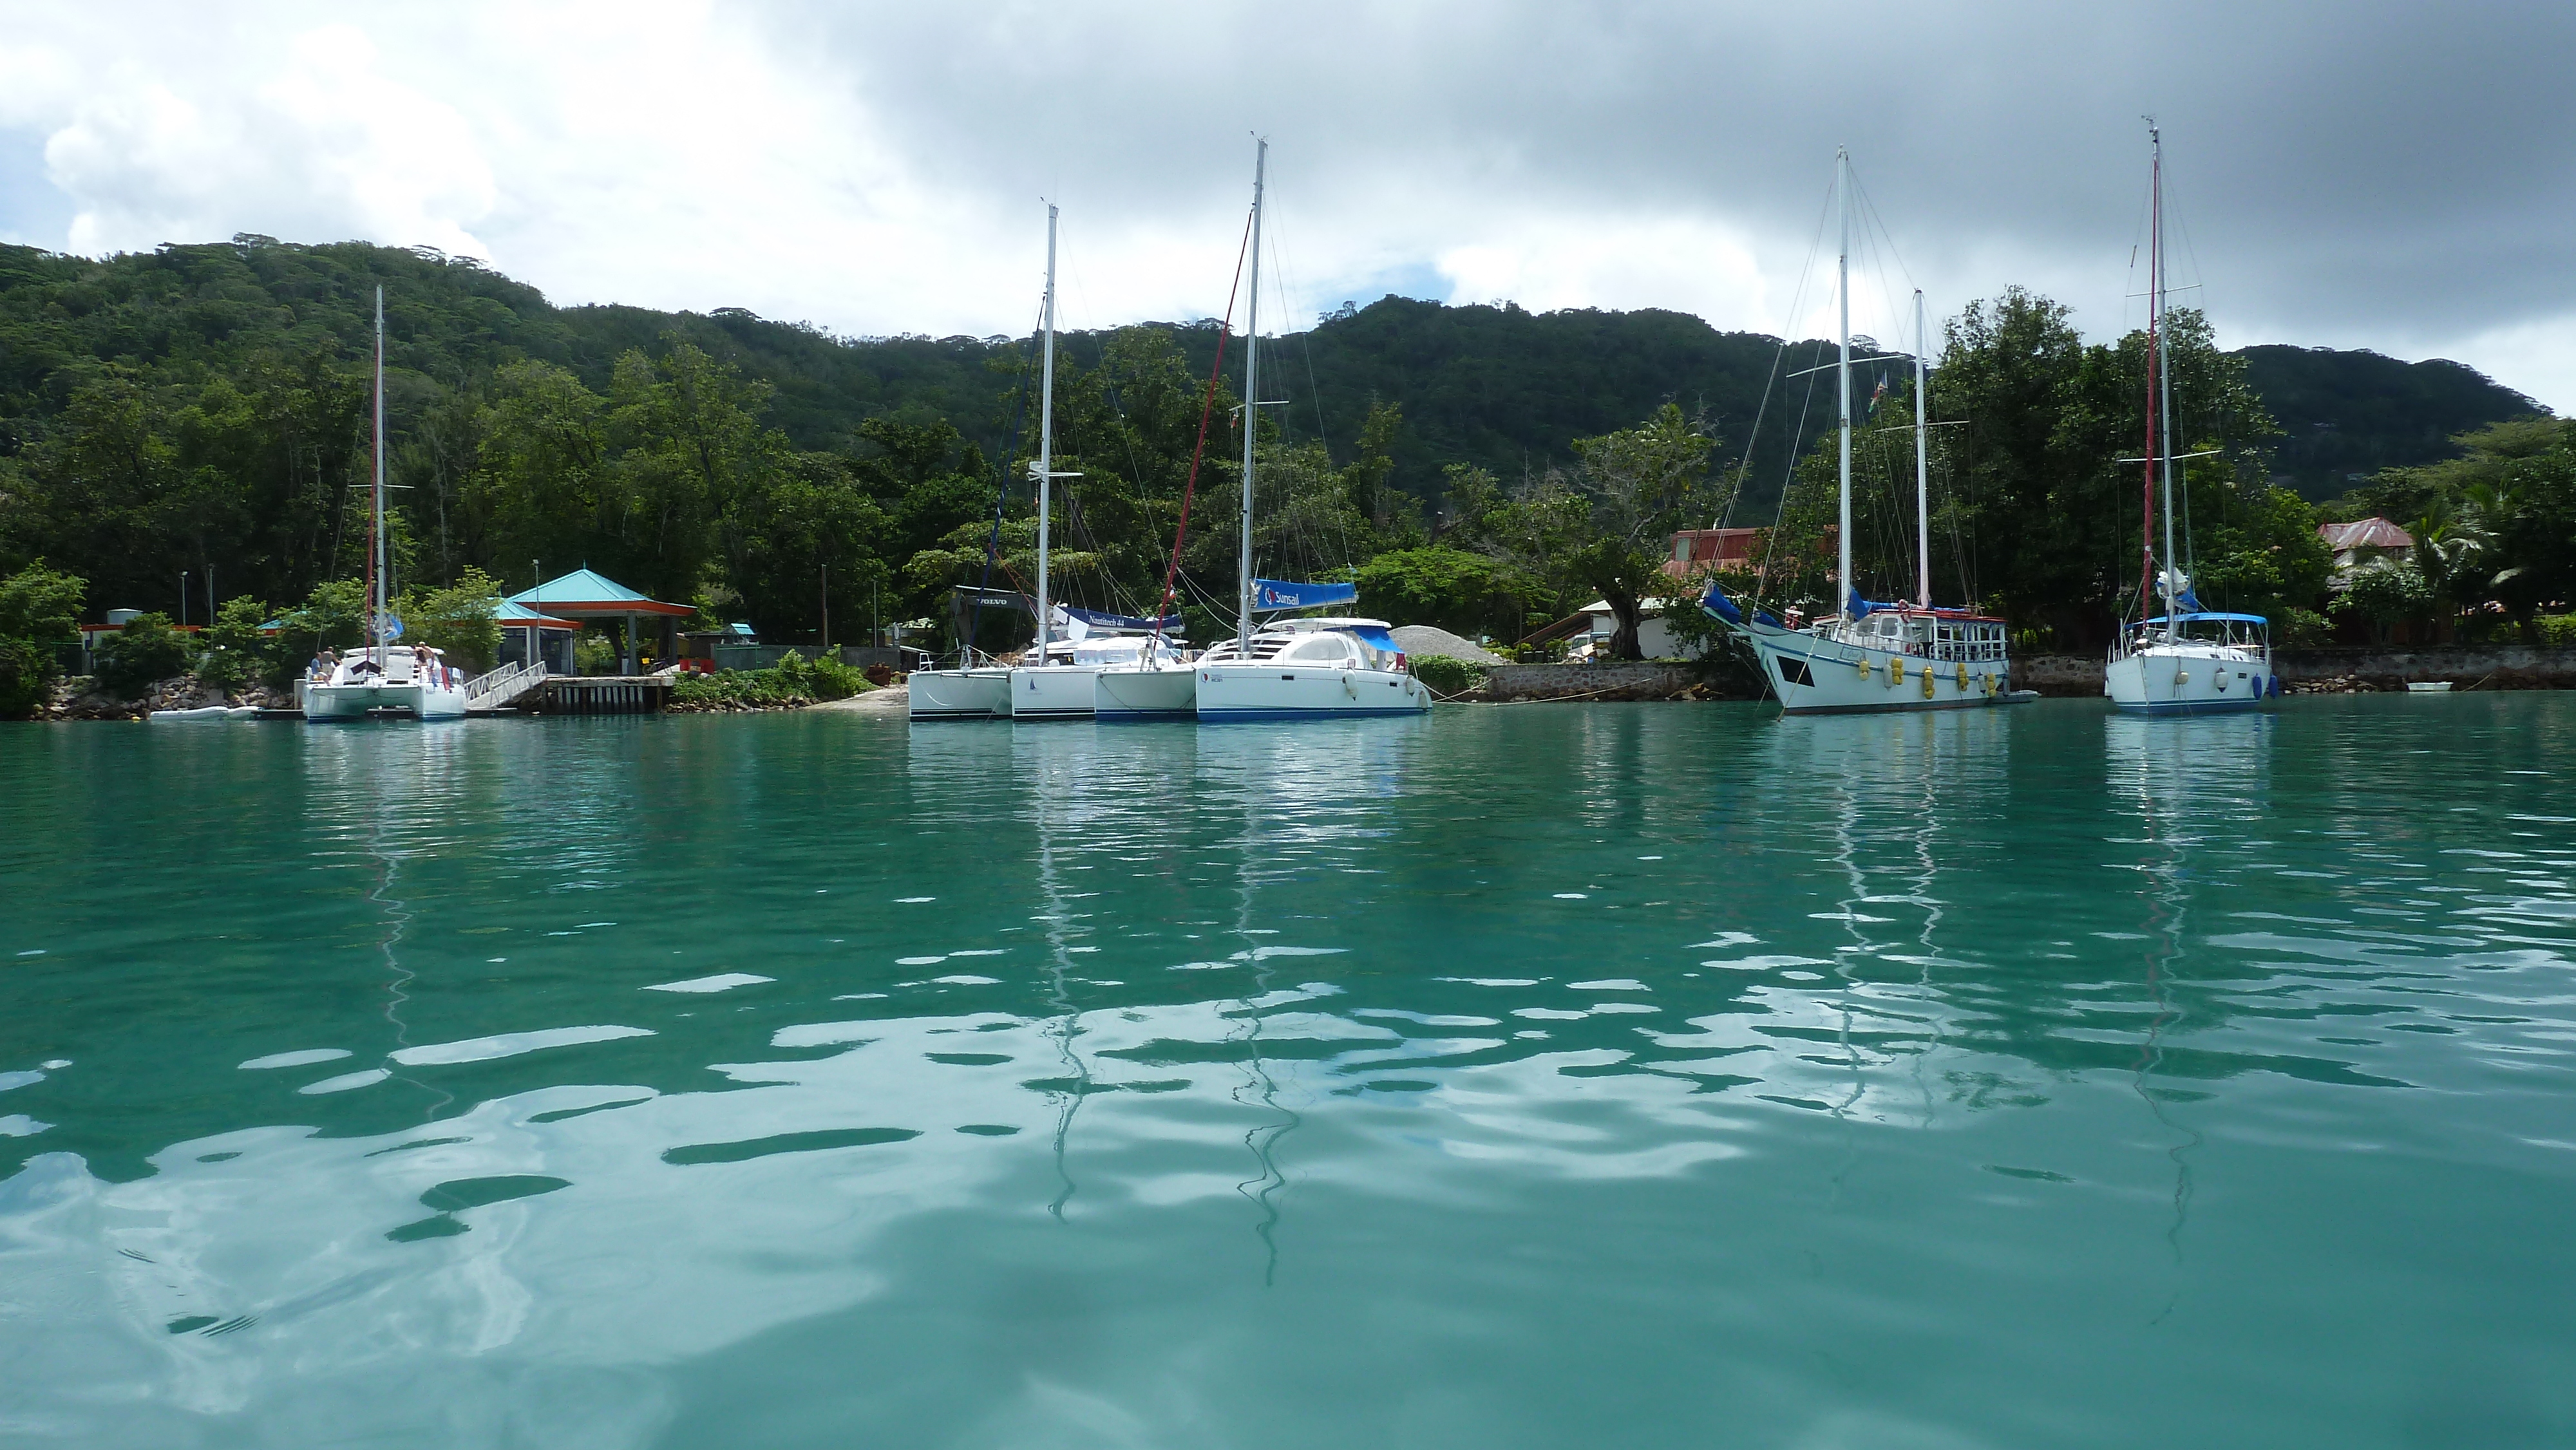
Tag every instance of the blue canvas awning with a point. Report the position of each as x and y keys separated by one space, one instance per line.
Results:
x=1277 y=594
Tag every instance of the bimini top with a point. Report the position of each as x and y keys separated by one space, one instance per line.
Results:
x=2208 y=614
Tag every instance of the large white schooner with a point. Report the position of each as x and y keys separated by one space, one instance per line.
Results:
x=1873 y=656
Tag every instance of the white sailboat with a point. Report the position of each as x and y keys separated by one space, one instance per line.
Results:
x=983 y=692
x=1873 y=656
x=1296 y=668
x=2189 y=660
x=384 y=679
x=1048 y=689
x=1162 y=683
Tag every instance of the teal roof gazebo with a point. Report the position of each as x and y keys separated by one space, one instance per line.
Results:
x=586 y=596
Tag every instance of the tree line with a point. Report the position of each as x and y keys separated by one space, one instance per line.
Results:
x=206 y=410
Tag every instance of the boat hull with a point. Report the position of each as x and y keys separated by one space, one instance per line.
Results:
x=363 y=702
x=2163 y=681
x=1165 y=693
x=959 y=694
x=1275 y=692
x=1052 y=692
x=1814 y=675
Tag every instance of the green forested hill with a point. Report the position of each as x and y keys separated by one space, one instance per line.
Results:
x=204 y=408
x=2346 y=415
x=1510 y=390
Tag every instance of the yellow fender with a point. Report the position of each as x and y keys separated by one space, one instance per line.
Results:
x=1963 y=677
x=1896 y=671
x=1863 y=662
x=1927 y=682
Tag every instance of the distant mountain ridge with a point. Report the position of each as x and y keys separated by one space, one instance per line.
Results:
x=2345 y=415
x=1491 y=385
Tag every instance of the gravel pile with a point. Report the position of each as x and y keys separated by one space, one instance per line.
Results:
x=1425 y=639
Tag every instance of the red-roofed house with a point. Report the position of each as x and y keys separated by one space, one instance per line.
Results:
x=2359 y=542
x=1700 y=551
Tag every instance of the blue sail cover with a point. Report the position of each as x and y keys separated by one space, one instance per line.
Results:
x=1716 y=603
x=1860 y=608
x=1270 y=594
x=1098 y=619
x=1376 y=637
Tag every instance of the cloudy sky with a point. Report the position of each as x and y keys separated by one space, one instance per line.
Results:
x=2370 y=173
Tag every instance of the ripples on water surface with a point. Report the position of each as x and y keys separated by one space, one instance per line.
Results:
x=1526 y=1076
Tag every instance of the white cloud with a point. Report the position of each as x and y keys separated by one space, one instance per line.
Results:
x=2389 y=181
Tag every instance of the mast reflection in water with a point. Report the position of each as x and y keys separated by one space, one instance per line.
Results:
x=1514 y=1076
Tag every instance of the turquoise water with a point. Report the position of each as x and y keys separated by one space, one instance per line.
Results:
x=1521 y=1076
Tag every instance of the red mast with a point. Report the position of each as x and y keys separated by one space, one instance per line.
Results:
x=1207 y=406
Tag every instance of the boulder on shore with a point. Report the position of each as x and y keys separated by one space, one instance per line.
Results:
x=1429 y=639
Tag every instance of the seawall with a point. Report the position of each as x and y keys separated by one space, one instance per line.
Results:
x=2482 y=667
x=1647 y=680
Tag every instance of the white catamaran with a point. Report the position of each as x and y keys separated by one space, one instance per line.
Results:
x=2189 y=660
x=1874 y=656
x=1048 y=689
x=1294 y=668
x=983 y=692
x=384 y=679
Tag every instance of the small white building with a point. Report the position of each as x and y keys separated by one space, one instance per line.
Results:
x=1587 y=631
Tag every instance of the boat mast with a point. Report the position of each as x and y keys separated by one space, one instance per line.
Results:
x=1922 y=466
x=376 y=512
x=1251 y=407
x=1045 y=470
x=1842 y=376
x=2155 y=240
x=2164 y=374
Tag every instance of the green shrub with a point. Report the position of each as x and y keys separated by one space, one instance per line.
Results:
x=793 y=680
x=2300 y=628
x=2387 y=592
x=148 y=649
x=459 y=620
x=2558 y=631
x=41 y=605
x=333 y=616
x=822 y=678
x=593 y=654
x=236 y=653
x=1447 y=675
x=25 y=669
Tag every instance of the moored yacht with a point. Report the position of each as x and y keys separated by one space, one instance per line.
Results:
x=1046 y=688
x=970 y=692
x=1153 y=680
x=1875 y=656
x=1294 y=668
x=2192 y=663
x=2190 y=660
x=385 y=679
x=388 y=680
x=1305 y=668
x=1063 y=685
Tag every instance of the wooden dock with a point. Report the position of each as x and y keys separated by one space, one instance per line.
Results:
x=593 y=695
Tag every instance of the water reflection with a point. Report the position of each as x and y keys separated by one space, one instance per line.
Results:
x=720 y=1035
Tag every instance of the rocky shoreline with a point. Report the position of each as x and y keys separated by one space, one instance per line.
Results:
x=82 y=698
